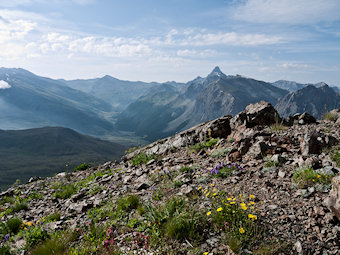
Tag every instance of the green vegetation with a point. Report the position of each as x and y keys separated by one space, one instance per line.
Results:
x=335 y=156
x=307 y=176
x=277 y=127
x=82 y=166
x=53 y=217
x=203 y=145
x=142 y=158
x=330 y=116
x=57 y=244
x=13 y=225
x=34 y=152
x=221 y=153
x=34 y=235
x=270 y=163
x=65 y=191
x=19 y=206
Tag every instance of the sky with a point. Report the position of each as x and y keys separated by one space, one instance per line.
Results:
x=173 y=40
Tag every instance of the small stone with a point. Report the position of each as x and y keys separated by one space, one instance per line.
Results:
x=281 y=174
x=298 y=247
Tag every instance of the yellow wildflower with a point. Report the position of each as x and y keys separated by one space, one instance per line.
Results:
x=241 y=230
x=214 y=194
x=319 y=176
x=214 y=189
x=313 y=180
x=219 y=209
x=208 y=213
x=252 y=196
x=252 y=203
x=232 y=203
x=208 y=194
x=205 y=253
x=244 y=207
x=212 y=185
x=199 y=188
x=251 y=216
x=229 y=198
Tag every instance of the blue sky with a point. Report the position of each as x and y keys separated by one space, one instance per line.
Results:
x=154 y=40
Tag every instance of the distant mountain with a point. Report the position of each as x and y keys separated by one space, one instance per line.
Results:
x=46 y=151
x=199 y=100
x=288 y=85
x=29 y=101
x=116 y=92
x=311 y=99
x=292 y=86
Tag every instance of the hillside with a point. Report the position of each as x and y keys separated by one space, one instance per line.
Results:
x=113 y=91
x=32 y=101
x=314 y=100
x=46 y=151
x=234 y=185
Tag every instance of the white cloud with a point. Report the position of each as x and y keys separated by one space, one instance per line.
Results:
x=195 y=53
x=288 y=11
x=4 y=85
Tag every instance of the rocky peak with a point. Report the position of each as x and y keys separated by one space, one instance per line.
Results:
x=216 y=72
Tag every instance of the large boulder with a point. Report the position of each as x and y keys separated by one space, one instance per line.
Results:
x=333 y=201
x=258 y=114
x=314 y=142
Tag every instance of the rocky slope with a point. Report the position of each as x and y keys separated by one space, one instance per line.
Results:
x=241 y=185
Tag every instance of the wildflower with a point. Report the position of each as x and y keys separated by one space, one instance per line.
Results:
x=199 y=188
x=229 y=198
x=252 y=203
x=212 y=185
x=208 y=213
x=313 y=180
x=319 y=176
x=251 y=216
x=214 y=194
x=205 y=253
x=243 y=205
x=241 y=230
x=219 y=209
x=252 y=196
x=232 y=203
x=207 y=194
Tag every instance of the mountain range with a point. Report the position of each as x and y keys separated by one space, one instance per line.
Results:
x=115 y=109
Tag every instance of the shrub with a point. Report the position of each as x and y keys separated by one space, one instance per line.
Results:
x=82 y=166
x=13 y=225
